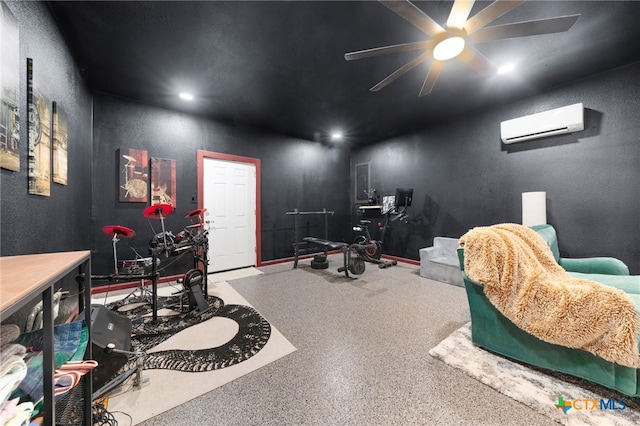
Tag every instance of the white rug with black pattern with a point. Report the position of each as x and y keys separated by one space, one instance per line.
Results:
x=537 y=388
x=190 y=355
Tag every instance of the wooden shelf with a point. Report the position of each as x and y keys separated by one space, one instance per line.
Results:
x=22 y=278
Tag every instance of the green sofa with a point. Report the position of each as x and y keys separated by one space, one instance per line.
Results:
x=493 y=331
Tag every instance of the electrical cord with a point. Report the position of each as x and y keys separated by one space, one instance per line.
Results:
x=102 y=417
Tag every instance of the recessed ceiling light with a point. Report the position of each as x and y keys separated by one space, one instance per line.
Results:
x=506 y=68
x=186 y=96
x=336 y=136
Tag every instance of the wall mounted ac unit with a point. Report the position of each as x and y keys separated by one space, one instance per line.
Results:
x=553 y=122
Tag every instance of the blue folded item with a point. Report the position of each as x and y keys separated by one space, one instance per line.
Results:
x=66 y=342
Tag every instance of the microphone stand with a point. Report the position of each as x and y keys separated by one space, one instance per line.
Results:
x=114 y=241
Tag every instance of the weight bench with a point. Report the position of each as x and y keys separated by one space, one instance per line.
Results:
x=353 y=264
x=325 y=243
x=319 y=242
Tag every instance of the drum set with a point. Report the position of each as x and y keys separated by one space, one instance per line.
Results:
x=165 y=242
x=193 y=238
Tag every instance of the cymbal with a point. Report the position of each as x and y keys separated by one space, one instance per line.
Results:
x=196 y=212
x=157 y=211
x=128 y=157
x=120 y=231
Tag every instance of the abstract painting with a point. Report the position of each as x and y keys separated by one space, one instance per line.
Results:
x=9 y=88
x=134 y=175
x=60 y=144
x=39 y=130
x=163 y=181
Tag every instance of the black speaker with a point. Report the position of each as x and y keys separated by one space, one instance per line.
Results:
x=108 y=327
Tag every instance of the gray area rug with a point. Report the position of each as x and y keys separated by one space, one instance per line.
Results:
x=540 y=389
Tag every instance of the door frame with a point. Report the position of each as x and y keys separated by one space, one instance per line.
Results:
x=201 y=155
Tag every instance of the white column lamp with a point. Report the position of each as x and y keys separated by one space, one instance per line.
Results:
x=534 y=208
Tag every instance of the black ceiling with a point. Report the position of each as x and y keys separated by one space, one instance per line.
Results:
x=280 y=65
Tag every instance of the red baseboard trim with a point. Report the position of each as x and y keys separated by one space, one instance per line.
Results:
x=130 y=284
x=134 y=284
x=291 y=259
x=401 y=259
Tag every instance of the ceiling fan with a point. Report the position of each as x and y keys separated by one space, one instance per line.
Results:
x=458 y=37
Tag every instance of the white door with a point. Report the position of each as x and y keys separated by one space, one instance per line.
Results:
x=229 y=195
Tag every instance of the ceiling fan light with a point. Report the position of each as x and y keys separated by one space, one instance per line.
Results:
x=448 y=48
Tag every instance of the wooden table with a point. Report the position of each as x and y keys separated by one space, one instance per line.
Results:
x=22 y=278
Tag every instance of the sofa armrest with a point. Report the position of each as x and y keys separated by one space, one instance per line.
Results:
x=433 y=252
x=630 y=284
x=595 y=265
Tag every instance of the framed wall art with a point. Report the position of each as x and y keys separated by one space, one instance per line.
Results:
x=163 y=181
x=9 y=88
x=39 y=131
x=60 y=144
x=134 y=175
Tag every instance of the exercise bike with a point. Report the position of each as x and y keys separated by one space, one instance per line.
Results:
x=372 y=248
x=394 y=209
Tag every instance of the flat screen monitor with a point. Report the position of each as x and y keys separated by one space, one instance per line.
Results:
x=403 y=197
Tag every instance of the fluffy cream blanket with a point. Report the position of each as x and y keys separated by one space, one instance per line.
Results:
x=523 y=281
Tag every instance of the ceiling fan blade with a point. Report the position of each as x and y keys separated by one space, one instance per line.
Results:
x=431 y=78
x=526 y=28
x=396 y=48
x=400 y=71
x=477 y=61
x=415 y=16
x=490 y=14
x=459 y=13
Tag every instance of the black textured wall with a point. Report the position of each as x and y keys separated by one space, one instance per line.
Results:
x=294 y=174
x=61 y=222
x=464 y=176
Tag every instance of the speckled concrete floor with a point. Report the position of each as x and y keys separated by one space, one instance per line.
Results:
x=362 y=356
